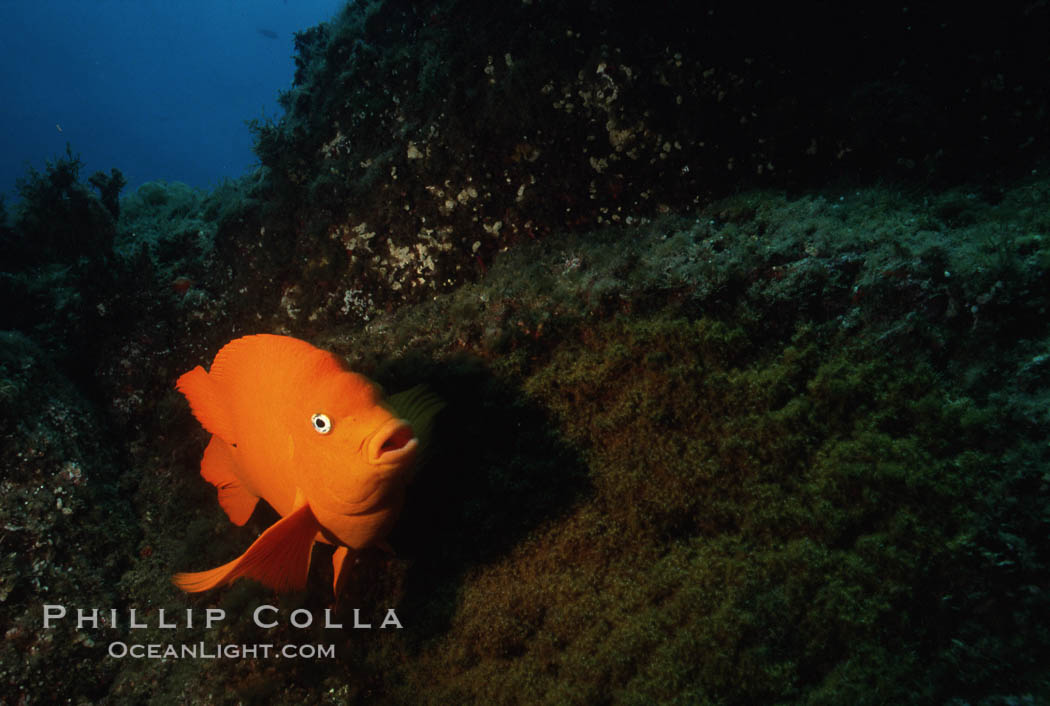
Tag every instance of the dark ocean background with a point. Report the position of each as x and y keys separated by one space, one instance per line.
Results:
x=162 y=89
x=740 y=316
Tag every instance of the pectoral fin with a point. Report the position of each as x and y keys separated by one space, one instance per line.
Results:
x=219 y=468
x=279 y=558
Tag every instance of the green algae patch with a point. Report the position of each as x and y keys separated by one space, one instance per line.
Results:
x=768 y=521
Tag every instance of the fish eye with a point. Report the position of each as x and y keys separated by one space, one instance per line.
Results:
x=322 y=424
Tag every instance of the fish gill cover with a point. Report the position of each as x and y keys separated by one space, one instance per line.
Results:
x=740 y=323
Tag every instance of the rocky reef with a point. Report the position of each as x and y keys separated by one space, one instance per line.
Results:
x=746 y=398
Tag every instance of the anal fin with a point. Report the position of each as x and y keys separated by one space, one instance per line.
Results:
x=279 y=558
x=342 y=563
x=218 y=467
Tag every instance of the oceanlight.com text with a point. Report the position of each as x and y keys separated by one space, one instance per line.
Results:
x=204 y=650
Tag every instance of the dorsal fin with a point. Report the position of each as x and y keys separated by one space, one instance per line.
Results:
x=207 y=403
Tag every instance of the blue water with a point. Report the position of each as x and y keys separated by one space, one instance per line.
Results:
x=159 y=89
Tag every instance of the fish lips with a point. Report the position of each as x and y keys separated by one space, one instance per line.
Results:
x=393 y=444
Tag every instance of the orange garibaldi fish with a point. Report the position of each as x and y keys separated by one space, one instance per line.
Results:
x=290 y=424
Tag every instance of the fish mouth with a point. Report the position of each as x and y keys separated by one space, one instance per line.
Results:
x=392 y=443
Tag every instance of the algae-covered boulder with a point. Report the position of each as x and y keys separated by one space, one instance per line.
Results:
x=735 y=458
x=418 y=140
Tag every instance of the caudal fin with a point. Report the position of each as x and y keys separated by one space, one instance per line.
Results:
x=419 y=406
